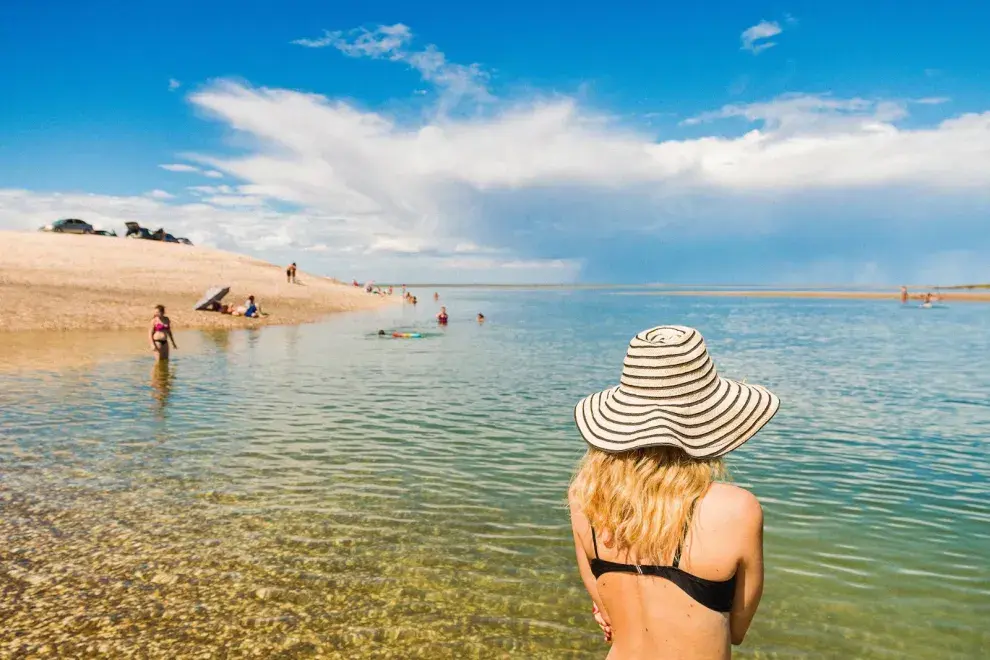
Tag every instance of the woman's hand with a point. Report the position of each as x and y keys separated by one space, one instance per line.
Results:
x=602 y=623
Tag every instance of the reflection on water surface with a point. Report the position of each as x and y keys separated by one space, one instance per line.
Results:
x=315 y=492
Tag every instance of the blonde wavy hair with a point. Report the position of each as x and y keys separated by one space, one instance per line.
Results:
x=643 y=500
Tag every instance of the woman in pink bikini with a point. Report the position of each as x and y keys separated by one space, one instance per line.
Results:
x=161 y=333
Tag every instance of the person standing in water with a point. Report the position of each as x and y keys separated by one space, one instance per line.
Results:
x=161 y=333
x=436 y=296
x=481 y=317
x=904 y=295
x=671 y=555
x=442 y=316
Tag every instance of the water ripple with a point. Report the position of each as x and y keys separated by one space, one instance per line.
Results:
x=311 y=491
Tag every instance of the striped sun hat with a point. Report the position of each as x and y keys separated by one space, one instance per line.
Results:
x=670 y=394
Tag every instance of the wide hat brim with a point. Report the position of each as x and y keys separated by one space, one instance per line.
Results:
x=619 y=420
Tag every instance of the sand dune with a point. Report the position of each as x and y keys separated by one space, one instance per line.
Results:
x=68 y=282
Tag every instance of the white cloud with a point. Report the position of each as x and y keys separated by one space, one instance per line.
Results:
x=173 y=84
x=235 y=200
x=213 y=174
x=159 y=194
x=526 y=189
x=385 y=40
x=933 y=100
x=457 y=82
x=754 y=39
x=210 y=190
x=179 y=167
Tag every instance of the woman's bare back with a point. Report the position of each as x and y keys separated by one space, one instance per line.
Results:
x=650 y=616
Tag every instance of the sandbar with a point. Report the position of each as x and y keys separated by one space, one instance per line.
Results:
x=947 y=296
x=61 y=282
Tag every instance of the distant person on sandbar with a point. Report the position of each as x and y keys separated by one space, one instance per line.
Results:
x=250 y=309
x=442 y=316
x=481 y=318
x=671 y=555
x=904 y=295
x=161 y=334
x=290 y=273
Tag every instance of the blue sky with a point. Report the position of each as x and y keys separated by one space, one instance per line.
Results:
x=726 y=142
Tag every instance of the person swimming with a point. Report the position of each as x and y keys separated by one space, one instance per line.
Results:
x=481 y=318
x=442 y=316
x=381 y=333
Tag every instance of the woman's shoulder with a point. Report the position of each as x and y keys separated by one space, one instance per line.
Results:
x=732 y=503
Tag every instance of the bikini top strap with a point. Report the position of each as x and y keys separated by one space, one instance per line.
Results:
x=594 y=542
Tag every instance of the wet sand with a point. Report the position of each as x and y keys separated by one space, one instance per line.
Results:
x=61 y=282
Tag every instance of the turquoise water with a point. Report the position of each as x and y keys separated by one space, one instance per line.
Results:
x=319 y=491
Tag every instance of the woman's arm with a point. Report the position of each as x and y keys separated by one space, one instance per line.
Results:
x=581 y=528
x=169 y=331
x=749 y=571
x=151 y=335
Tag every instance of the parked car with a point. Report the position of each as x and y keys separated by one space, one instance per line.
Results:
x=69 y=226
x=134 y=230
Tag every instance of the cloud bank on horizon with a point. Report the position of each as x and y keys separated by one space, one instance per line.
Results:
x=548 y=188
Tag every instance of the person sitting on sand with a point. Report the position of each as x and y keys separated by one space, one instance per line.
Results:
x=250 y=309
x=442 y=316
x=161 y=334
x=481 y=318
x=671 y=556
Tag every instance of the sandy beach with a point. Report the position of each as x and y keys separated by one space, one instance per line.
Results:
x=62 y=282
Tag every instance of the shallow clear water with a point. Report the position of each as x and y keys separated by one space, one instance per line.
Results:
x=317 y=490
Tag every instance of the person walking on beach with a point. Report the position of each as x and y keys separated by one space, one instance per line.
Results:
x=290 y=273
x=161 y=334
x=671 y=556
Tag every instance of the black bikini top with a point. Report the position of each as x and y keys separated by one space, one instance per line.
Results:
x=712 y=594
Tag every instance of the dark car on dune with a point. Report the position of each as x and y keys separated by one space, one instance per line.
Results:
x=134 y=230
